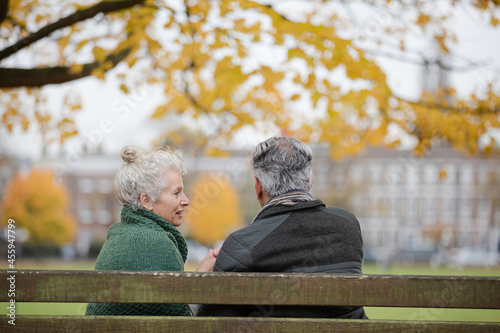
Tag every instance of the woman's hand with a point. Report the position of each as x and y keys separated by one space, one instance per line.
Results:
x=207 y=264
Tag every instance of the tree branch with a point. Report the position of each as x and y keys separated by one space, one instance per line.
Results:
x=37 y=77
x=4 y=8
x=425 y=62
x=78 y=16
x=480 y=110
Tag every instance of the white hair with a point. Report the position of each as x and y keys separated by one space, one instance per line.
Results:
x=143 y=173
x=282 y=165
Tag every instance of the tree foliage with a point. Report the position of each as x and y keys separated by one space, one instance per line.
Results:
x=231 y=64
x=214 y=211
x=39 y=205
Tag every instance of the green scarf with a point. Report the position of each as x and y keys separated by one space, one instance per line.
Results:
x=146 y=217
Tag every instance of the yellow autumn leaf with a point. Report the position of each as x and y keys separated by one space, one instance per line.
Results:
x=75 y=69
x=441 y=40
x=99 y=54
x=423 y=19
x=124 y=88
x=98 y=73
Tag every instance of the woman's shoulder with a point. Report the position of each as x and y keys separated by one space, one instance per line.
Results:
x=143 y=234
x=130 y=247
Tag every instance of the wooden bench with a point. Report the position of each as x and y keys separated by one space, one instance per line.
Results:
x=265 y=289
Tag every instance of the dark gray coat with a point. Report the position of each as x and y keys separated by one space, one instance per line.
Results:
x=305 y=238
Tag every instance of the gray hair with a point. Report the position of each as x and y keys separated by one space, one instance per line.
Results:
x=282 y=165
x=143 y=173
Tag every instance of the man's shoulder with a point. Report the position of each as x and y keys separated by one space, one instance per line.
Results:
x=311 y=207
x=341 y=213
x=256 y=231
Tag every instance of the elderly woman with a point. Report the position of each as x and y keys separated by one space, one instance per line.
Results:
x=150 y=188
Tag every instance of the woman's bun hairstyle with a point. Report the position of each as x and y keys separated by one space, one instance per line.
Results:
x=130 y=153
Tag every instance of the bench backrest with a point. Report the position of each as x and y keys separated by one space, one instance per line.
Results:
x=252 y=288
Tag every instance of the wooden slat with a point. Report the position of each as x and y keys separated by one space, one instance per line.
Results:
x=254 y=325
x=254 y=288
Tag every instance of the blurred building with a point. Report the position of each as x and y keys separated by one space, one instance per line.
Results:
x=89 y=182
x=442 y=201
x=439 y=202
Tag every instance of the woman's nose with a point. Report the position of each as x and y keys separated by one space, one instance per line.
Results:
x=185 y=201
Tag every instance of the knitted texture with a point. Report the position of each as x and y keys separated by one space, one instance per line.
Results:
x=143 y=241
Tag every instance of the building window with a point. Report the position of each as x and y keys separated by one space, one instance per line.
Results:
x=393 y=174
x=466 y=174
x=430 y=205
x=431 y=174
x=411 y=207
x=357 y=201
x=412 y=175
x=465 y=207
x=86 y=185
x=84 y=212
x=367 y=207
x=373 y=237
x=483 y=175
x=103 y=215
x=449 y=209
x=450 y=174
x=375 y=173
x=484 y=208
x=409 y=240
x=462 y=239
x=338 y=177
x=394 y=207
x=104 y=186
x=357 y=173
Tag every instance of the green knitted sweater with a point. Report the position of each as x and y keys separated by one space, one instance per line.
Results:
x=144 y=241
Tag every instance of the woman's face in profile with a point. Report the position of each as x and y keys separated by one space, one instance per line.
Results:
x=172 y=199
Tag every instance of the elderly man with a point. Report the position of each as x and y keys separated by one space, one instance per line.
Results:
x=293 y=232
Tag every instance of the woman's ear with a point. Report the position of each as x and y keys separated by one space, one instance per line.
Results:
x=146 y=202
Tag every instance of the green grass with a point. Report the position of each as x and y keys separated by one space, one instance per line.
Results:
x=427 y=270
x=374 y=313
x=51 y=264
x=432 y=314
x=49 y=308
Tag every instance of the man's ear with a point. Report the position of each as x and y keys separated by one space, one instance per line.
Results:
x=146 y=202
x=312 y=181
x=258 y=188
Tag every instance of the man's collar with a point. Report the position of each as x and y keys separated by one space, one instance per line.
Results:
x=274 y=210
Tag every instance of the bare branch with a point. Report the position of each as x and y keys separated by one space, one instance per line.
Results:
x=78 y=16
x=37 y=77
x=425 y=62
x=4 y=8
x=480 y=110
